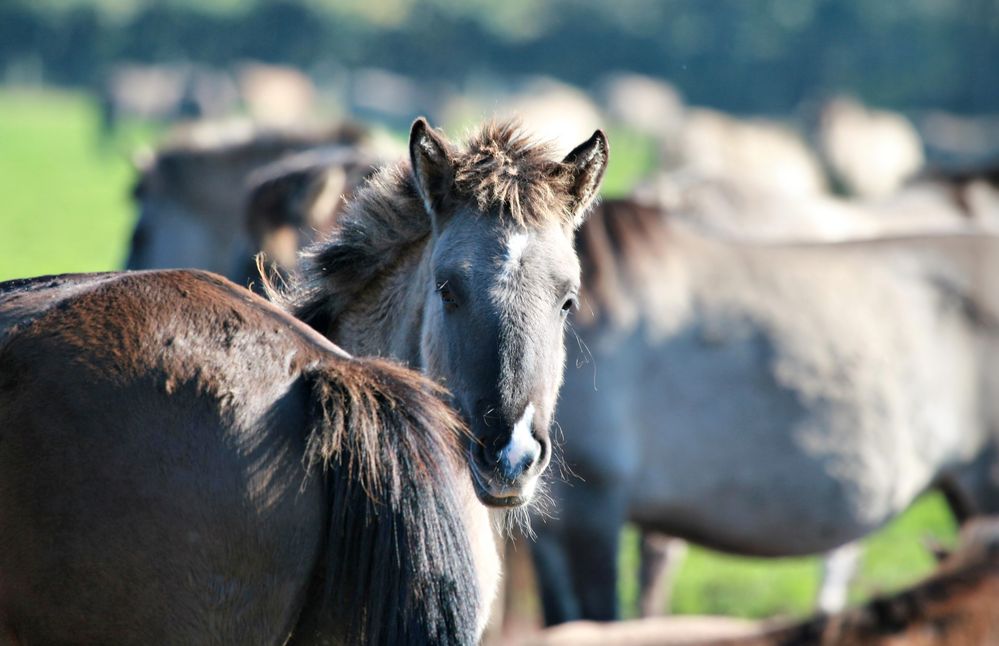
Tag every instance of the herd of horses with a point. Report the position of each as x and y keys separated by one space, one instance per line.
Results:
x=186 y=460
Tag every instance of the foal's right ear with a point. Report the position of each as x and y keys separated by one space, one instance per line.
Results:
x=433 y=168
x=586 y=165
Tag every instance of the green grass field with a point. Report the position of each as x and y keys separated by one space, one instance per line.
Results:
x=66 y=209
x=65 y=201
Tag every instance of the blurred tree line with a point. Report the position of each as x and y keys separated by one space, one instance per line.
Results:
x=750 y=56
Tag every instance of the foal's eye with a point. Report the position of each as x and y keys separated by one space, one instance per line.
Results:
x=570 y=304
x=447 y=296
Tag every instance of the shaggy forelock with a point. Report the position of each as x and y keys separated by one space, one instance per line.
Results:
x=501 y=172
x=503 y=169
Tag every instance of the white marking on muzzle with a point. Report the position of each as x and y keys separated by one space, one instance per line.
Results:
x=522 y=443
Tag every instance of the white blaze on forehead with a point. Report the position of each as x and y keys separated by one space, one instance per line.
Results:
x=515 y=246
x=522 y=442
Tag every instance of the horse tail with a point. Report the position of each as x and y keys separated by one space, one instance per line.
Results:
x=398 y=565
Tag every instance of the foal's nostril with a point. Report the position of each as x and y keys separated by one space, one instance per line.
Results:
x=515 y=461
x=487 y=456
x=512 y=461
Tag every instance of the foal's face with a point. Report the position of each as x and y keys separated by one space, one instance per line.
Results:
x=497 y=296
x=494 y=317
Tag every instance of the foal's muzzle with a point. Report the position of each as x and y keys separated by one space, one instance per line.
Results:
x=507 y=477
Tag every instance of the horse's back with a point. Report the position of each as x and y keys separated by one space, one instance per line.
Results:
x=151 y=413
x=22 y=299
x=816 y=389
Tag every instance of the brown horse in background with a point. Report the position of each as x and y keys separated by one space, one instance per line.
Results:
x=297 y=200
x=181 y=462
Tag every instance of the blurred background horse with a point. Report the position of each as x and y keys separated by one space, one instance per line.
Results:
x=769 y=399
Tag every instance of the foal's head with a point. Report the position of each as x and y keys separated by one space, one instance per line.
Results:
x=503 y=276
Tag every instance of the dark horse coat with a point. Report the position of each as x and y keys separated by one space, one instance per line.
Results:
x=181 y=462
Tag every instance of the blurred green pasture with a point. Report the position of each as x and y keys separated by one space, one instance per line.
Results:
x=65 y=196
x=65 y=208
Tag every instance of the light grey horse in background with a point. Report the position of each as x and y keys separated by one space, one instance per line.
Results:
x=767 y=400
x=935 y=203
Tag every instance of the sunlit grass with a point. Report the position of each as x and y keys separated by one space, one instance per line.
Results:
x=713 y=583
x=632 y=156
x=65 y=197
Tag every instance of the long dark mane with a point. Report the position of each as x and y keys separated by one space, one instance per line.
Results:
x=500 y=171
x=398 y=568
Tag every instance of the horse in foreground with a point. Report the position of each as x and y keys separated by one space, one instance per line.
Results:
x=766 y=399
x=460 y=262
x=181 y=462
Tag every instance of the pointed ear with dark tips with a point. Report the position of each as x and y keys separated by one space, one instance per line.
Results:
x=433 y=168
x=586 y=165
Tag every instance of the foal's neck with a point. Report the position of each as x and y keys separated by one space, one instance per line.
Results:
x=386 y=319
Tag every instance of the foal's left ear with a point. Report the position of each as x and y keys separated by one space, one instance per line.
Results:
x=586 y=165
x=433 y=168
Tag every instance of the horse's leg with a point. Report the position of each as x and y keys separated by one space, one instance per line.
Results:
x=576 y=562
x=660 y=560
x=973 y=489
x=838 y=568
x=558 y=599
x=593 y=541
